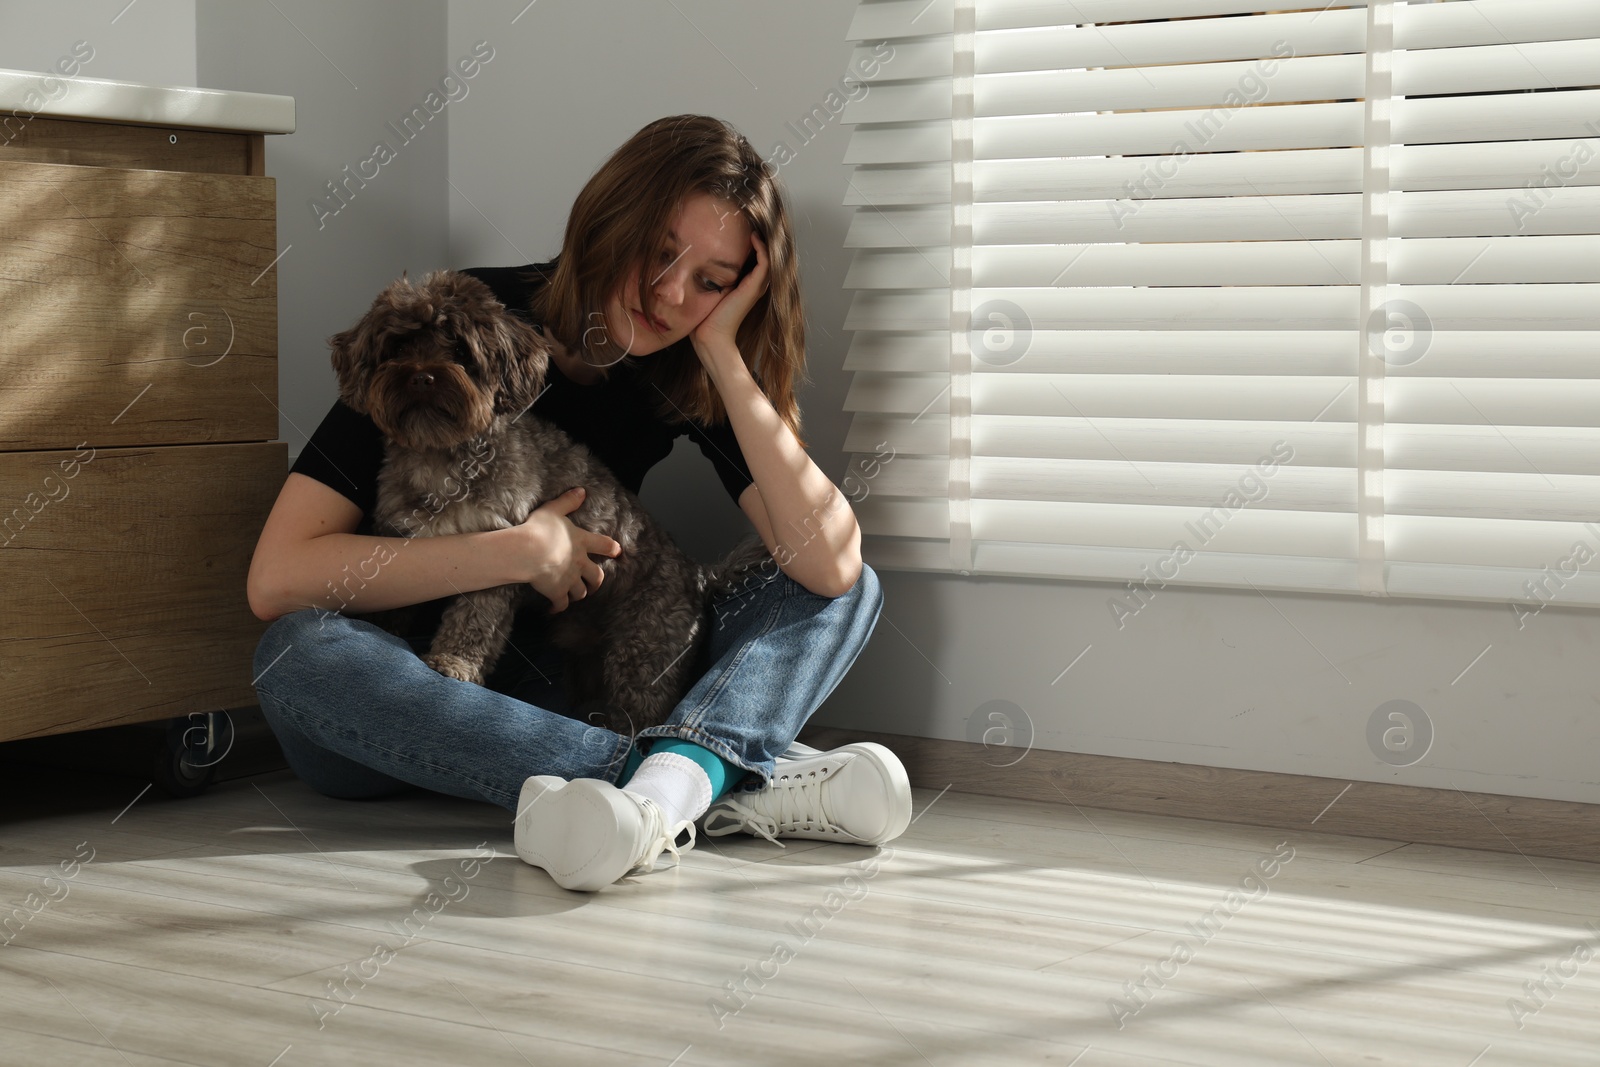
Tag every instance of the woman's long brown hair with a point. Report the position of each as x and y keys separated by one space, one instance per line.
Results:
x=621 y=218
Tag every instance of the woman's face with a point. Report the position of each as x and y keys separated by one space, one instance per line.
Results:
x=708 y=243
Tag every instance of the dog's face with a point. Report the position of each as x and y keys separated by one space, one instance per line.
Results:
x=435 y=362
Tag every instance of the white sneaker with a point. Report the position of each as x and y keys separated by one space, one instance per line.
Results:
x=587 y=833
x=858 y=793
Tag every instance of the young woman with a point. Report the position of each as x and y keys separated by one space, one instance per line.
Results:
x=677 y=293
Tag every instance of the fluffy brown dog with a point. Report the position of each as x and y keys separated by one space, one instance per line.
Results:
x=447 y=373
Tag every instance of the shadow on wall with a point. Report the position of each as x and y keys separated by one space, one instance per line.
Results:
x=897 y=673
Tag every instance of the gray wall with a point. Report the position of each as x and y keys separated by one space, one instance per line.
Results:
x=1232 y=679
x=352 y=67
x=151 y=41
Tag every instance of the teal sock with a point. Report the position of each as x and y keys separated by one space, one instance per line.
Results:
x=723 y=774
x=635 y=757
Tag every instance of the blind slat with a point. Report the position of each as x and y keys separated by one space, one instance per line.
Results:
x=1449 y=353
x=900 y=18
x=1510 y=165
x=1442 y=261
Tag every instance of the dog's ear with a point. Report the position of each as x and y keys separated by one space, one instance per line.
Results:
x=356 y=351
x=526 y=355
x=353 y=356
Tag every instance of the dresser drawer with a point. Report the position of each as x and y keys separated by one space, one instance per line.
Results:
x=124 y=576
x=138 y=306
x=106 y=144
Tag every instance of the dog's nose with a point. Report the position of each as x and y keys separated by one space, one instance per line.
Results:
x=422 y=379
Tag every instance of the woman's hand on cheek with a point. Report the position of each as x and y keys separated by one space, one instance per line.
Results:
x=722 y=325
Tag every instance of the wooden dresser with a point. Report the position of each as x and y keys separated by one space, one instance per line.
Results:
x=138 y=370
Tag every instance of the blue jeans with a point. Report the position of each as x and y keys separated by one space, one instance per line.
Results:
x=359 y=715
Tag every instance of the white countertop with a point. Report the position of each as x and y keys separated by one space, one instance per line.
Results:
x=103 y=100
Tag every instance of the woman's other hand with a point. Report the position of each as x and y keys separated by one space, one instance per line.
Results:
x=557 y=551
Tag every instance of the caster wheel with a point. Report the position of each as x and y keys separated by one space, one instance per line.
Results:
x=191 y=751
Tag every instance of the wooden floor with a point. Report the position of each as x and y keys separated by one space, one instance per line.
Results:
x=264 y=926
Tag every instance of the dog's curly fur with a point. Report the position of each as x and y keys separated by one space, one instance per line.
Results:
x=447 y=374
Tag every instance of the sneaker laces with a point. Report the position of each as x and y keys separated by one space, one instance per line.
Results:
x=661 y=839
x=779 y=808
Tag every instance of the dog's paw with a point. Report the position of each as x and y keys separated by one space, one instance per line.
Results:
x=452 y=666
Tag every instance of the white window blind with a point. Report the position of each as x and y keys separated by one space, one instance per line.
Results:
x=1293 y=299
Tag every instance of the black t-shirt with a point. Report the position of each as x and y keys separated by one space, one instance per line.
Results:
x=616 y=417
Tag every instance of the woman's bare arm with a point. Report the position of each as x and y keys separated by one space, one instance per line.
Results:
x=308 y=556
x=791 y=500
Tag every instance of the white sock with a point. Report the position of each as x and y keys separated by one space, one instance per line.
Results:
x=678 y=785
